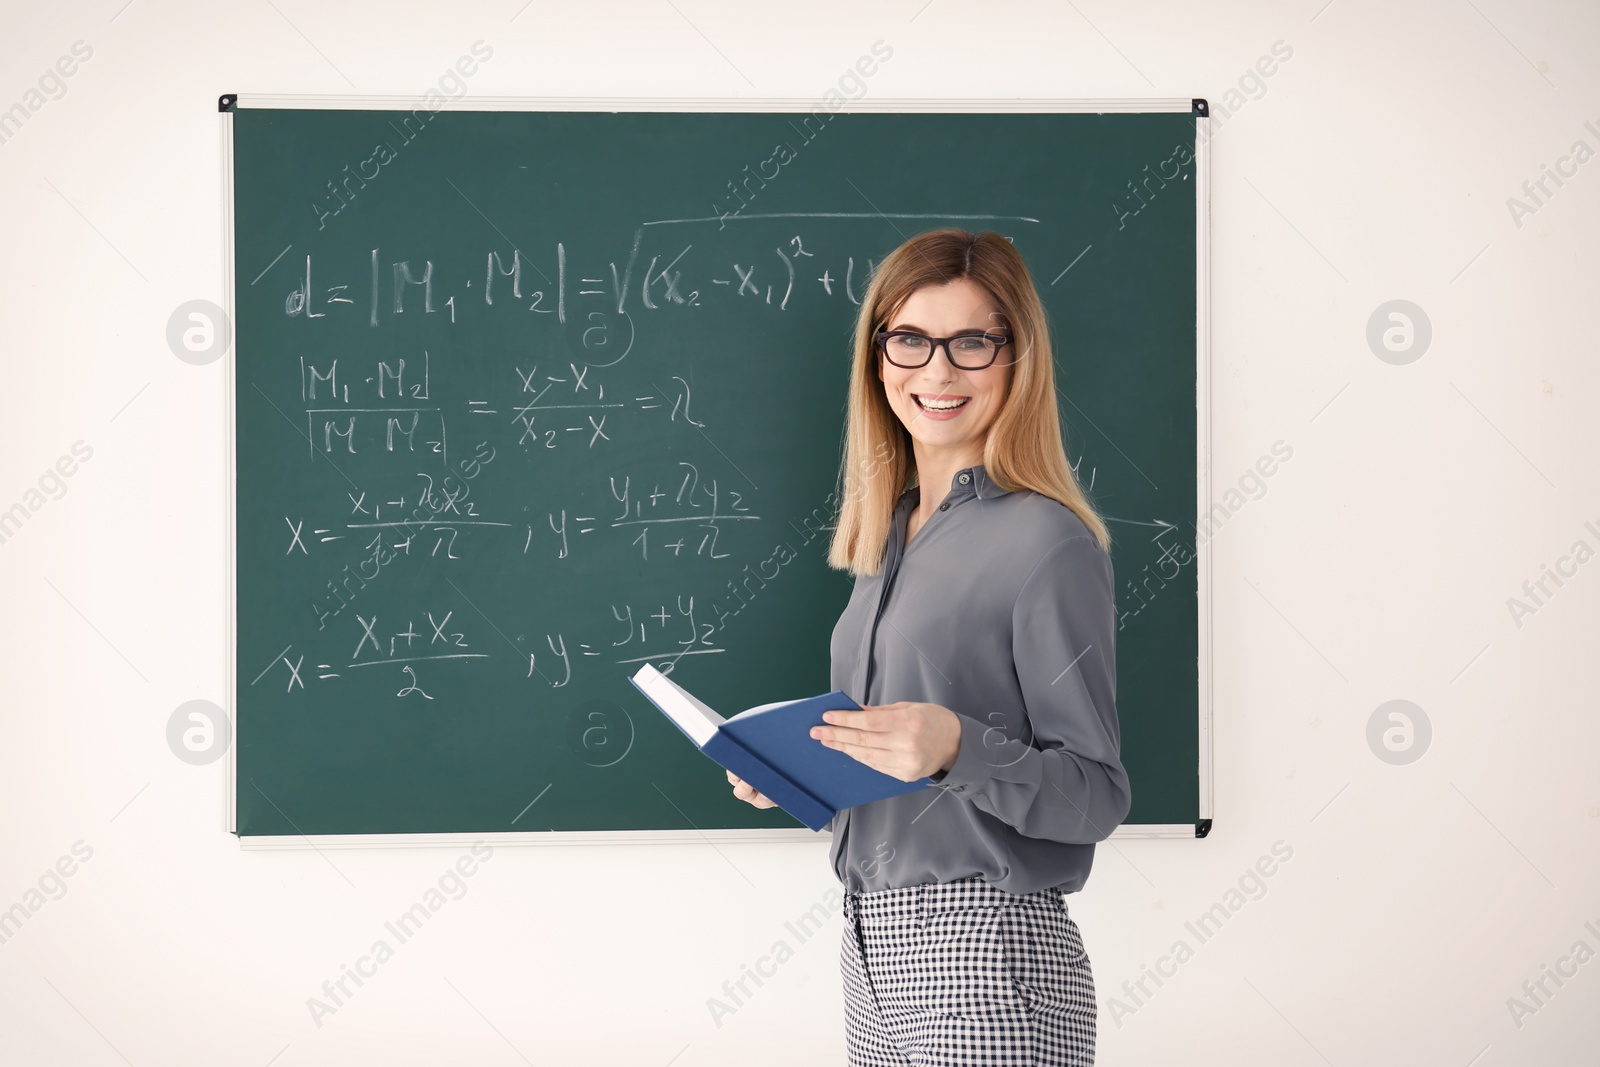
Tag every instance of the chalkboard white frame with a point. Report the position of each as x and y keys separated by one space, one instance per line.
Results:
x=745 y=104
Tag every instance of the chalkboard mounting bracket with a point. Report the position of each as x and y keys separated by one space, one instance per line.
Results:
x=1201 y=107
x=1202 y=828
x=226 y=101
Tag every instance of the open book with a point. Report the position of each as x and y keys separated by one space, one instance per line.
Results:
x=772 y=749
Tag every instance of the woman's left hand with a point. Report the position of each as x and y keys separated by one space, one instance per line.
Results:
x=905 y=740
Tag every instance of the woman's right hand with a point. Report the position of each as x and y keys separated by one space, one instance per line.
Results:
x=747 y=793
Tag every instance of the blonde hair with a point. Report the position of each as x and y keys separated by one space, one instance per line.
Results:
x=1023 y=449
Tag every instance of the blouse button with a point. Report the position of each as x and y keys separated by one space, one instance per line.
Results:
x=945 y=506
x=965 y=477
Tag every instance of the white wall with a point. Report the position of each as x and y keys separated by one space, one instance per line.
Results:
x=1375 y=164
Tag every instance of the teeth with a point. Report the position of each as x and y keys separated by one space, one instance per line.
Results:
x=941 y=405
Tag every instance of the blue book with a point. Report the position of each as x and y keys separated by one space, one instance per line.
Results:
x=772 y=749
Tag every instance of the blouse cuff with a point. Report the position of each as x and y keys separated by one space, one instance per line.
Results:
x=973 y=767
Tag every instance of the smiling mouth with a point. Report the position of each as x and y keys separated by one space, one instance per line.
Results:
x=942 y=402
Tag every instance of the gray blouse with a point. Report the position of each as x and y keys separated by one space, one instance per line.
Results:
x=1001 y=610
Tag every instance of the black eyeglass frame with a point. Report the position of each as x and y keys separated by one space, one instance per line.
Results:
x=999 y=337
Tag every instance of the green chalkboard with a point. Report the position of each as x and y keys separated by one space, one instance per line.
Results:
x=525 y=398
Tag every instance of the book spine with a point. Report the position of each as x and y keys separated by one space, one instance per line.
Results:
x=766 y=779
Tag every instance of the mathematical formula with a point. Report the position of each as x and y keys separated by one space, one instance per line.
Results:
x=386 y=287
x=403 y=415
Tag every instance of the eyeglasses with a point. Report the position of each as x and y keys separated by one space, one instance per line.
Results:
x=969 y=350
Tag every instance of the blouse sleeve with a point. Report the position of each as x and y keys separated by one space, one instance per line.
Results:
x=1069 y=785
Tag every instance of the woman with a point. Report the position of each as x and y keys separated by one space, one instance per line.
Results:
x=980 y=641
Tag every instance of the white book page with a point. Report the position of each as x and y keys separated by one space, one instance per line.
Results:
x=693 y=717
x=763 y=707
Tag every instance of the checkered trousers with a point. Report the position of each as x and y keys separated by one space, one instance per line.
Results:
x=965 y=973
